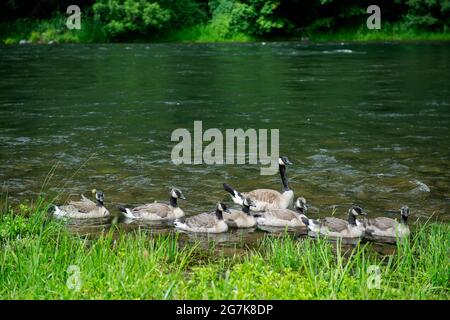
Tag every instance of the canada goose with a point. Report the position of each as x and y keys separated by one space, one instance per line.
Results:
x=84 y=208
x=205 y=222
x=285 y=217
x=385 y=229
x=337 y=228
x=156 y=210
x=267 y=199
x=241 y=218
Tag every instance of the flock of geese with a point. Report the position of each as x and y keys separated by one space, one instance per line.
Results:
x=260 y=207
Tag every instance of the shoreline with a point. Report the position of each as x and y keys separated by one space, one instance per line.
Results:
x=54 y=31
x=264 y=42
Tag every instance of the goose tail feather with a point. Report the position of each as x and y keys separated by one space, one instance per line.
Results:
x=305 y=220
x=229 y=189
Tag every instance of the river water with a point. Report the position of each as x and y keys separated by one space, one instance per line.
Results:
x=362 y=123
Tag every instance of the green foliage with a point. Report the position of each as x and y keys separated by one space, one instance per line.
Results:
x=123 y=17
x=227 y=20
x=212 y=32
x=427 y=14
x=253 y=17
x=388 y=32
x=185 y=13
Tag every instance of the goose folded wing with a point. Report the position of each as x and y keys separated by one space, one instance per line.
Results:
x=282 y=214
x=233 y=215
x=382 y=223
x=159 y=209
x=203 y=220
x=84 y=205
x=335 y=224
x=264 y=195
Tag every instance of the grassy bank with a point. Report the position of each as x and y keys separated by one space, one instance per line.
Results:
x=44 y=31
x=54 y=30
x=36 y=253
x=388 y=32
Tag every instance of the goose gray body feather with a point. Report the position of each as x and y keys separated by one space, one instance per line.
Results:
x=239 y=219
x=154 y=211
x=385 y=228
x=84 y=208
x=203 y=222
x=281 y=218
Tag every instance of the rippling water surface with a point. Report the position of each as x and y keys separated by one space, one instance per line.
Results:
x=362 y=123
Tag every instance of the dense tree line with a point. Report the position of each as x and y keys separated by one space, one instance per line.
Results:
x=258 y=18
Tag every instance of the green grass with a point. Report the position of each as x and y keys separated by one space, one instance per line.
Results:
x=43 y=31
x=204 y=33
x=36 y=252
x=388 y=32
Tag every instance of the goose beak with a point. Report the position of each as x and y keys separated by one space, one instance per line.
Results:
x=227 y=210
x=288 y=162
x=183 y=197
x=364 y=213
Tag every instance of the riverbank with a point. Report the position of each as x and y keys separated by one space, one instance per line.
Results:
x=40 y=259
x=54 y=31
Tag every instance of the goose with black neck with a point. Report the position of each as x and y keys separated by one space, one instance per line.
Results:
x=334 y=228
x=267 y=199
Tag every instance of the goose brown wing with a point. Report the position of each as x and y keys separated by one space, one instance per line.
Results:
x=160 y=209
x=283 y=214
x=382 y=223
x=203 y=220
x=84 y=205
x=334 y=224
x=264 y=195
x=234 y=214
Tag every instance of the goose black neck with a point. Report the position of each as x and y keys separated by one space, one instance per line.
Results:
x=173 y=202
x=351 y=219
x=284 y=178
x=299 y=210
x=99 y=203
x=246 y=209
x=404 y=219
x=219 y=214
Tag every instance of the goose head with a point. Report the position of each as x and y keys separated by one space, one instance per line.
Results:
x=239 y=199
x=177 y=194
x=248 y=202
x=300 y=205
x=220 y=209
x=404 y=212
x=353 y=212
x=284 y=161
x=356 y=211
x=99 y=196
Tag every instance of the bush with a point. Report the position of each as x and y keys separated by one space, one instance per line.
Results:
x=253 y=17
x=427 y=14
x=123 y=17
x=185 y=13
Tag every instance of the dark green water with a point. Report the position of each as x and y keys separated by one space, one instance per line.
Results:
x=363 y=123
